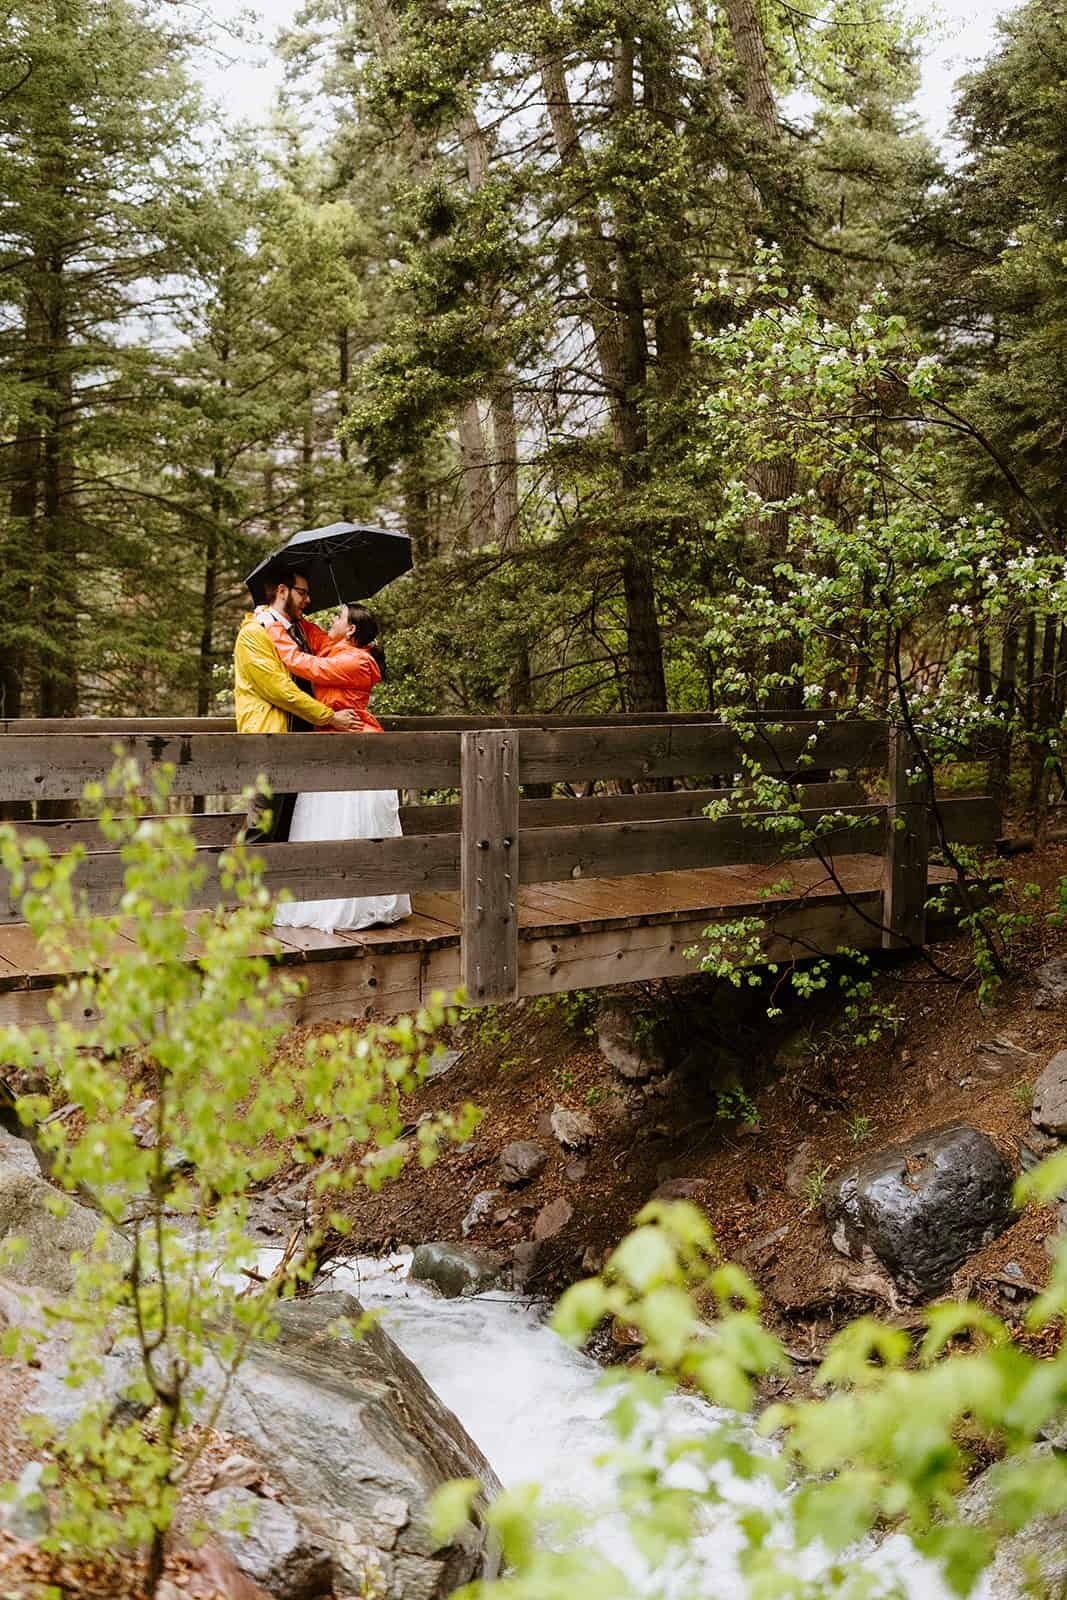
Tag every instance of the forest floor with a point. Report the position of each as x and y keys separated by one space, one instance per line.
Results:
x=814 y=1102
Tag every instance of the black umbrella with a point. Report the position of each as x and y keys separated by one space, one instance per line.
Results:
x=345 y=561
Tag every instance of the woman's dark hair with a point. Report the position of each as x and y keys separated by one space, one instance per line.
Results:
x=365 y=625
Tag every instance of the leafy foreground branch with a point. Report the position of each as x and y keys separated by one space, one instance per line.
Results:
x=885 y=1446
x=188 y=1018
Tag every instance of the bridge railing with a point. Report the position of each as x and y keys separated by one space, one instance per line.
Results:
x=495 y=839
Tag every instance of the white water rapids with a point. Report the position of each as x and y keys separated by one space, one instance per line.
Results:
x=539 y=1411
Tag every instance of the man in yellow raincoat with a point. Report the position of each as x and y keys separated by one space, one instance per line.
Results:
x=268 y=700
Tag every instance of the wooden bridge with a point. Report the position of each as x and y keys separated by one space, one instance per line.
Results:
x=515 y=894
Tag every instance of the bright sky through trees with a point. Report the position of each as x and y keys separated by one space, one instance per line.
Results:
x=247 y=84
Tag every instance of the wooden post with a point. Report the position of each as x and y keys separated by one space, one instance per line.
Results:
x=489 y=864
x=907 y=847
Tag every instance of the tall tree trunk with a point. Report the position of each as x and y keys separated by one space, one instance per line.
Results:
x=621 y=355
x=343 y=377
x=477 y=477
x=505 y=467
x=209 y=594
x=59 y=663
x=18 y=557
x=1040 y=773
x=417 y=518
x=773 y=480
x=307 y=461
x=1007 y=695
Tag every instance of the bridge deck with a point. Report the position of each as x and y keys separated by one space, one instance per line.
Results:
x=573 y=934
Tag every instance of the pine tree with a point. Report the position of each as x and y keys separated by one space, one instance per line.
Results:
x=99 y=173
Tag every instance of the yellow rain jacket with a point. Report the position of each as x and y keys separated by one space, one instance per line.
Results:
x=263 y=692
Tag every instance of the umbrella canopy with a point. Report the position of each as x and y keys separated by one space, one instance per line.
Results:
x=345 y=561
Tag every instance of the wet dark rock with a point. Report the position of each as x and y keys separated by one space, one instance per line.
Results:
x=1050 y=1096
x=552 y=1219
x=923 y=1206
x=270 y=1544
x=521 y=1162
x=632 y=1049
x=456 y=1269
x=574 y=1129
x=1050 y=984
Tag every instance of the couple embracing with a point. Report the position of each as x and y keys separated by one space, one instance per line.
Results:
x=290 y=676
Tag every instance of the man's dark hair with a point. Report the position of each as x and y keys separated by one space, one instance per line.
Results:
x=276 y=576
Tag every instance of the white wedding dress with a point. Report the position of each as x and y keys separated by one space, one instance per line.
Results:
x=365 y=814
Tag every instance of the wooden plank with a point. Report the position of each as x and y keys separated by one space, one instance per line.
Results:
x=326 y=869
x=648 y=751
x=490 y=864
x=220 y=828
x=36 y=767
x=26 y=964
x=445 y=908
x=214 y=828
x=907 y=848
x=613 y=850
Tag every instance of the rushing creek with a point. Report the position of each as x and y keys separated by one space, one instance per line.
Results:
x=539 y=1412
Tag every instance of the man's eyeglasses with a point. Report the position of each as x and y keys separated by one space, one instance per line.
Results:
x=297 y=590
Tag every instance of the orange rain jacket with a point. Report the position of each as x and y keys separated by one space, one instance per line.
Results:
x=344 y=674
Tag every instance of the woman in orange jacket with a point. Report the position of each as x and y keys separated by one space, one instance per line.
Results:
x=344 y=674
x=348 y=666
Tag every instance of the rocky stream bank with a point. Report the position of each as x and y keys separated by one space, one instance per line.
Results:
x=843 y=1177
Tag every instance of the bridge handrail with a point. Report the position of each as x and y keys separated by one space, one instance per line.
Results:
x=48 y=767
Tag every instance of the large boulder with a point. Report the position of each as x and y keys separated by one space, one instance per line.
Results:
x=352 y=1440
x=923 y=1206
x=359 y=1442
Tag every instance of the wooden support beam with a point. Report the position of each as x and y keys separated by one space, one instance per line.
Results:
x=907 y=846
x=489 y=865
